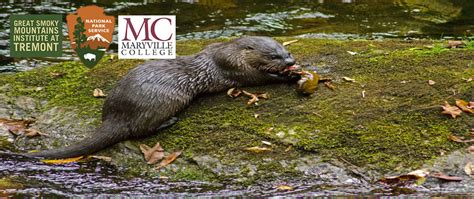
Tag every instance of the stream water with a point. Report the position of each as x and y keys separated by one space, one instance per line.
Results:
x=199 y=19
x=202 y=19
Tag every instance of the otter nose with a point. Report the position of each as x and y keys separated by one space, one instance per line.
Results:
x=289 y=61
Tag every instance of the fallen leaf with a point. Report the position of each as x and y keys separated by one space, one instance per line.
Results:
x=456 y=44
x=262 y=95
x=431 y=82
x=468 y=169
x=455 y=138
x=348 y=79
x=33 y=133
x=352 y=53
x=256 y=115
x=467 y=79
x=169 y=159
x=470 y=105
x=454 y=111
x=98 y=93
x=363 y=94
x=285 y=188
x=325 y=79
x=253 y=100
x=288 y=148
x=63 y=161
x=16 y=127
x=286 y=43
x=253 y=97
x=421 y=173
x=152 y=155
x=458 y=139
x=329 y=85
x=444 y=177
x=99 y=157
x=470 y=149
x=56 y=75
x=267 y=143
x=233 y=92
x=464 y=106
x=414 y=177
x=257 y=149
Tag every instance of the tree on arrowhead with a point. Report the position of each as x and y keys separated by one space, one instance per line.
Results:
x=79 y=36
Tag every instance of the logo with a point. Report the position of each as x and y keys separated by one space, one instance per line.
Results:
x=147 y=37
x=36 y=35
x=90 y=33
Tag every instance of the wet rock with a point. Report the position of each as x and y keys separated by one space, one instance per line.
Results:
x=4 y=60
x=313 y=167
x=210 y=163
x=26 y=103
x=452 y=164
x=24 y=108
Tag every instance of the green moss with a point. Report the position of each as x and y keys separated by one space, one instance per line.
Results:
x=8 y=183
x=396 y=126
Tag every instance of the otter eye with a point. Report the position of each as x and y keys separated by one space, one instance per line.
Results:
x=249 y=48
x=275 y=56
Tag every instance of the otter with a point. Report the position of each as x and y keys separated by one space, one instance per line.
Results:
x=147 y=98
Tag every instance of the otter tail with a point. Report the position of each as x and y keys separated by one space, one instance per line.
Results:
x=87 y=146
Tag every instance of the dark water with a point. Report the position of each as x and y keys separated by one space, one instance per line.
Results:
x=339 y=19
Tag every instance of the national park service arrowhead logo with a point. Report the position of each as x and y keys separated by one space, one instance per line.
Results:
x=90 y=33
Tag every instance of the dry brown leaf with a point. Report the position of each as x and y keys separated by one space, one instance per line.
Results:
x=257 y=149
x=169 y=159
x=444 y=177
x=348 y=79
x=262 y=95
x=470 y=105
x=267 y=143
x=152 y=155
x=464 y=106
x=456 y=44
x=417 y=176
x=470 y=149
x=56 y=74
x=454 y=111
x=256 y=115
x=431 y=82
x=286 y=43
x=468 y=169
x=458 y=139
x=234 y=92
x=329 y=85
x=289 y=148
x=455 y=138
x=98 y=93
x=63 y=161
x=16 y=127
x=99 y=157
x=33 y=133
x=285 y=188
x=325 y=79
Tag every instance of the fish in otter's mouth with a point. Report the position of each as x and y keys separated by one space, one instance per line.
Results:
x=286 y=71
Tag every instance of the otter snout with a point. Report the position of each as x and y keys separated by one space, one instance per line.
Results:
x=290 y=61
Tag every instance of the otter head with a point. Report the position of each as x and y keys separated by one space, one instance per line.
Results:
x=259 y=57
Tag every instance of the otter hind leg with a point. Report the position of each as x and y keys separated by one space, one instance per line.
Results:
x=168 y=123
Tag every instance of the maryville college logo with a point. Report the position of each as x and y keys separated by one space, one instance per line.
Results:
x=90 y=33
x=147 y=37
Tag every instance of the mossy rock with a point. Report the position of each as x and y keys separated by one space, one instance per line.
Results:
x=395 y=127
